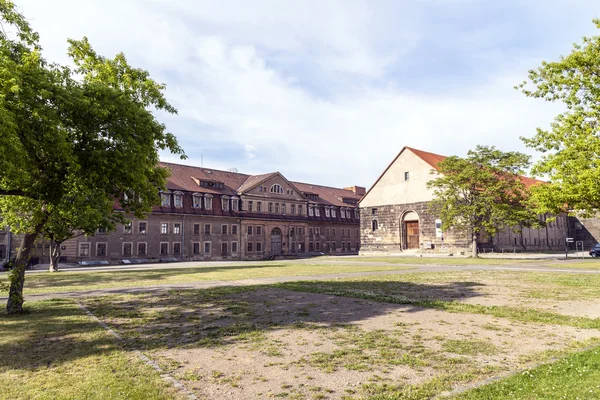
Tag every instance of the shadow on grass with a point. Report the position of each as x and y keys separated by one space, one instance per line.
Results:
x=56 y=331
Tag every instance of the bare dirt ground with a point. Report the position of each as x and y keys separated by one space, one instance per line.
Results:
x=314 y=346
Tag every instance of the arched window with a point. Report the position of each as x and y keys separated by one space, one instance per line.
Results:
x=374 y=224
x=276 y=189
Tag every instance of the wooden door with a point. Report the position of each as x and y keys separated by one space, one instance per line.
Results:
x=412 y=234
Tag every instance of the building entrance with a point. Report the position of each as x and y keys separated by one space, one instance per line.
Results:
x=276 y=242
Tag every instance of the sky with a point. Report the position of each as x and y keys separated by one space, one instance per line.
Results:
x=327 y=91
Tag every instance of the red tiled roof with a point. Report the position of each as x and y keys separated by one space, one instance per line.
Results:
x=182 y=178
x=430 y=158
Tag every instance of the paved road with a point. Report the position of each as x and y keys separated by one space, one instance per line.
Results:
x=265 y=281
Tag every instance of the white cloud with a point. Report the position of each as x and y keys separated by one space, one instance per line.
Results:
x=246 y=70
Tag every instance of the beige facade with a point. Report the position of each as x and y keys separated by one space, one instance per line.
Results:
x=395 y=215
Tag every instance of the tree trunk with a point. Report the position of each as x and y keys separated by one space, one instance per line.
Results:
x=474 y=249
x=14 y=305
x=54 y=256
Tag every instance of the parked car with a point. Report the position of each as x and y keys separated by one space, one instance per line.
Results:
x=595 y=251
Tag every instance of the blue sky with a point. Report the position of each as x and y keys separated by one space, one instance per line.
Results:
x=329 y=91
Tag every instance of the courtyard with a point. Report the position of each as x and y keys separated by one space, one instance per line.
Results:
x=329 y=328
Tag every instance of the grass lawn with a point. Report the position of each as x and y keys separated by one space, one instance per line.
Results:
x=576 y=376
x=56 y=351
x=79 y=281
x=442 y=260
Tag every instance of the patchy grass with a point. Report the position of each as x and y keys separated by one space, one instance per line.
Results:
x=574 y=377
x=81 y=280
x=55 y=351
x=470 y=347
x=448 y=260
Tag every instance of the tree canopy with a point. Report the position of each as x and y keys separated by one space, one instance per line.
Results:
x=482 y=192
x=74 y=140
x=571 y=147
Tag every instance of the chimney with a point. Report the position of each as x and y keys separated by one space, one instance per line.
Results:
x=358 y=190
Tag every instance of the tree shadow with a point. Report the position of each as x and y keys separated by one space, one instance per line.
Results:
x=57 y=331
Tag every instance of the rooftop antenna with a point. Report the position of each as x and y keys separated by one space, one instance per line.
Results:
x=233 y=169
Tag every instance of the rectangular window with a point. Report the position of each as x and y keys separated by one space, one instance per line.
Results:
x=164 y=248
x=196 y=229
x=141 y=249
x=208 y=200
x=317 y=231
x=348 y=232
x=259 y=246
x=102 y=231
x=176 y=248
x=318 y=246
x=327 y=212
x=327 y=232
x=258 y=230
x=276 y=208
x=311 y=211
x=196 y=248
x=300 y=231
x=310 y=231
x=343 y=213
x=311 y=246
x=207 y=229
x=300 y=210
x=141 y=227
x=234 y=229
x=206 y=247
x=127 y=227
x=406 y=176
x=225 y=203
x=333 y=213
x=100 y=249
x=333 y=232
x=249 y=229
x=178 y=200
x=197 y=201
x=84 y=249
x=164 y=228
x=234 y=204
x=127 y=249
x=293 y=209
x=249 y=247
x=283 y=211
x=259 y=206
x=177 y=228
x=224 y=248
x=234 y=247
x=292 y=231
x=165 y=200
x=223 y=229
x=250 y=205
x=318 y=211
x=270 y=208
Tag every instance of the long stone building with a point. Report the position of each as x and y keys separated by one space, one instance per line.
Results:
x=395 y=215
x=208 y=214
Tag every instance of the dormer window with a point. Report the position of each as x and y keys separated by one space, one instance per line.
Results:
x=212 y=184
x=276 y=189
x=197 y=198
x=235 y=203
x=311 y=211
x=318 y=211
x=333 y=212
x=356 y=213
x=343 y=212
x=165 y=199
x=225 y=203
x=178 y=199
x=327 y=212
x=208 y=202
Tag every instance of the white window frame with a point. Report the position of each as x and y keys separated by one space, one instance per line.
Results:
x=327 y=212
x=123 y=249
x=176 y=225
x=317 y=211
x=138 y=249
x=225 y=203
x=197 y=200
x=342 y=212
x=129 y=225
x=250 y=205
x=333 y=212
x=160 y=245
x=293 y=209
x=235 y=204
x=226 y=230
x=165 y=199
x=178 y=198
x=311 y=211
x=145 y=229
x=208 y=202
x=162 y=226
x=231 y=232
x=89 y=248
x=209 y=229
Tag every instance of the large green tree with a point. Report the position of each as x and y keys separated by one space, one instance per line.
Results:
x=571 y=147
x=482 y=192
x=73 y=136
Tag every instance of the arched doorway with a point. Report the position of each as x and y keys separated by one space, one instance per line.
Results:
x=276 y=242
x=410 y=231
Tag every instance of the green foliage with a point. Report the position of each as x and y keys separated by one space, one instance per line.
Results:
x=571 y=148
x=482 y=192
x=74 y=141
